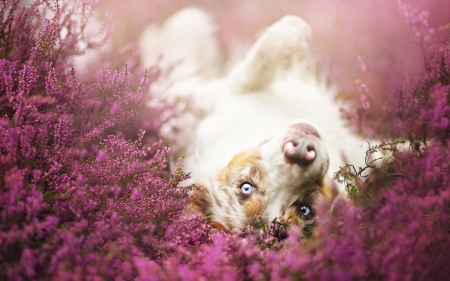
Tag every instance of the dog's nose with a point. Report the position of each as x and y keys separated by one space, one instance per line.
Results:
x=300 y=151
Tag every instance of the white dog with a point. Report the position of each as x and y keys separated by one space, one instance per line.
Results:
x=261 y=141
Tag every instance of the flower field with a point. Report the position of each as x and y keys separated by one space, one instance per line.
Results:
x=86 y=194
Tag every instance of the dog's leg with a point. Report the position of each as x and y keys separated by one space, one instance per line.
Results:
x=279 y=46
x=184 y=47
x=185 y=41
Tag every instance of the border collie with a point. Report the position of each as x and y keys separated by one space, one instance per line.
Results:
x=262 y=141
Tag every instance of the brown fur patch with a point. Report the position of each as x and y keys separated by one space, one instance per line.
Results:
x=199 y=201
x=326 y=189
x=252 y=208
x=292 y=214
x=249 y=157
x=218 y=225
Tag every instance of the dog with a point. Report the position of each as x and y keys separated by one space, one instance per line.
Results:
x=262 y=141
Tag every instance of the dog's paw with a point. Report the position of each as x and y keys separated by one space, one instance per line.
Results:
x=185 y=43
x=284 y=41
x=279 y=47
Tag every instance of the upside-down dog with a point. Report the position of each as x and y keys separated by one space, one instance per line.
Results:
x=260 y=141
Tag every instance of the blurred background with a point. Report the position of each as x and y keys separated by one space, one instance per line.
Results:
x=343 y=30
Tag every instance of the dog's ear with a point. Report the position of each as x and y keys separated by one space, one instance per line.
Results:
x=200 y=205
x=199 y=201
x=279 y=46
x=329 y=194
x=329 y=190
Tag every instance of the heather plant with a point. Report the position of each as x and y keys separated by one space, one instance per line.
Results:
x=406 y=194
x=86 y=192
x=83 y=191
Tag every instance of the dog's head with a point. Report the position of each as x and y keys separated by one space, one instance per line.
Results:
x=279 y=178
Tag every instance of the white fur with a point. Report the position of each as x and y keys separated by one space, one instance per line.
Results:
x=274 y=86
x=185 y=42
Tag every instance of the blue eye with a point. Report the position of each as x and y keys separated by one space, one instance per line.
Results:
x=247 y=188
x=305 y=210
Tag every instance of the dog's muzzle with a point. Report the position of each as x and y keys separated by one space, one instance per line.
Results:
x=301 y=147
